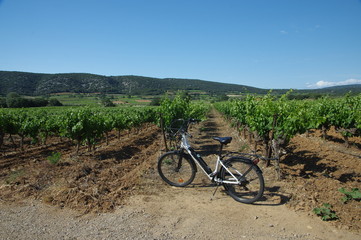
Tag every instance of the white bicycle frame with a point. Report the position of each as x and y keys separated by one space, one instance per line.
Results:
x=213 y=175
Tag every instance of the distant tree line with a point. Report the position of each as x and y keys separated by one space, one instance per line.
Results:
x=14 y=100
x=106 y=101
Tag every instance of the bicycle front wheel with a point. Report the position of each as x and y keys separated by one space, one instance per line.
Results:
x=249 y=175
x=176 y=169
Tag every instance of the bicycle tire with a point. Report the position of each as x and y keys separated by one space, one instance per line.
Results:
x=251 y=187
x=176 y=168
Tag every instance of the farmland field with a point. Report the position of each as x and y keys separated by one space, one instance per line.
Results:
x=94 y=99
x=112 y=171
x=121 y=178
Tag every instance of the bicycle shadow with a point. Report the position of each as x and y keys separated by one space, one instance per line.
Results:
x=271 y=195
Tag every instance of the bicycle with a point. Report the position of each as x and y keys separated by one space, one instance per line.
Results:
x=240 y=176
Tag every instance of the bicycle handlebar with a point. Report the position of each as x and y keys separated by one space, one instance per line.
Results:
x=192 y=120
x=181 y=125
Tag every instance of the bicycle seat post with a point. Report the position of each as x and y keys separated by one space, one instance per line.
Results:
x=220 y=150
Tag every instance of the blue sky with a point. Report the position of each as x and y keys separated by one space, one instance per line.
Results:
x=261 y=43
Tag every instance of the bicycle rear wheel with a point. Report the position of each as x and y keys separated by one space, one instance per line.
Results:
x=176 y=169
x=251 y=185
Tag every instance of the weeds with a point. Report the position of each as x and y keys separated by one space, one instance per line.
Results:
x=325 y=212
x=243 y=147
x=54 y=158
x=14 y=175
x=354 y=194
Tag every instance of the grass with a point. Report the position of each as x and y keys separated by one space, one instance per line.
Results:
x=54 y=158
x=14 y=175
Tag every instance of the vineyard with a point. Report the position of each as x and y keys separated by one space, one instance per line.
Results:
x=86 y=125
x=274 y=122
x=313 y=145
x=80 y=157
x=268 y=120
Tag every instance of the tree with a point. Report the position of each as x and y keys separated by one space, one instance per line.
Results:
x=106 y=102
x=222 y=97
x=3 y=102
x=54 y=102
x=156 y=101
x=13 y=100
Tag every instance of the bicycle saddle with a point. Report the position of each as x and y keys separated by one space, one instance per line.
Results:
x=223 y=140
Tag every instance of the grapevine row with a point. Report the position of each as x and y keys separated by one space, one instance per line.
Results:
x=88 y=126
x=82 y=125
x=275 y=121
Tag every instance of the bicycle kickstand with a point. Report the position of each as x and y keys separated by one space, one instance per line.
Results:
x=214 y=193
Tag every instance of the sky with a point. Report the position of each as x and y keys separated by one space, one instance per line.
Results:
x=270 y=44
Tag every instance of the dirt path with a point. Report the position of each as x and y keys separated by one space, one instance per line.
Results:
x=159 y=211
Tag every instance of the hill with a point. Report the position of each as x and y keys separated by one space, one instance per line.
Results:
x=39 y=84
x=35 y=84
x=338 y=90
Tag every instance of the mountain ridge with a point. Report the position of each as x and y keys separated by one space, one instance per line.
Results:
x=34 y=84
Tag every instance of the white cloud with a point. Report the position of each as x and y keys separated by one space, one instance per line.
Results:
x=322 y=84
x=283 y=32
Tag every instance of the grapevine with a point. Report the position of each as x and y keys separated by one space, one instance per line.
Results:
x=274 y=121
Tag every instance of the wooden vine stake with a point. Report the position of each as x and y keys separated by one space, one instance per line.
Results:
x=163 y=132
